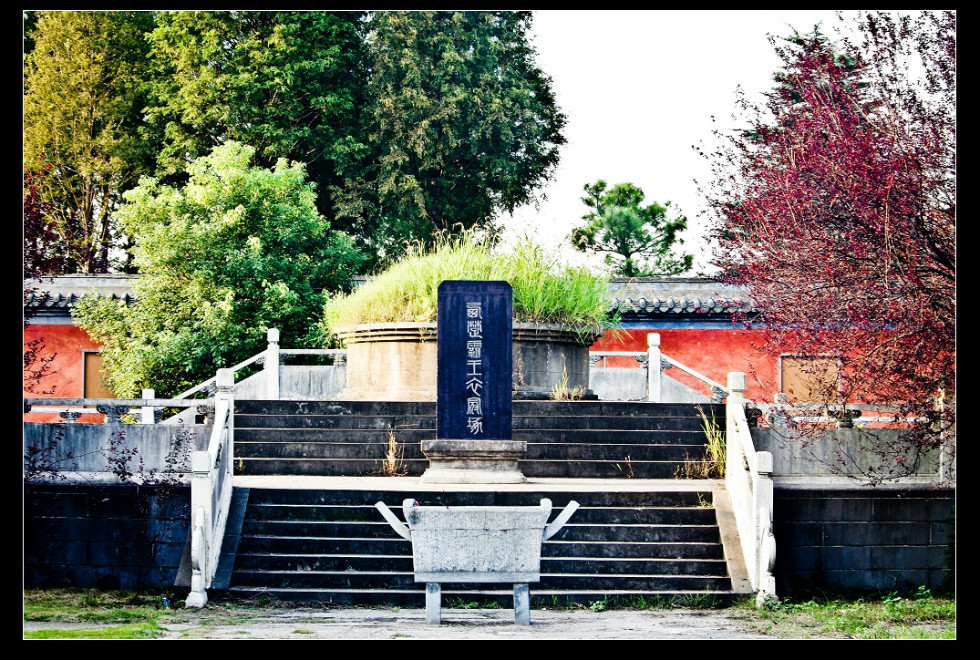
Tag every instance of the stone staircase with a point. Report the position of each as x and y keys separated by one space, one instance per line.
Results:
x=640 y=536
x=570 y=439
x=333 y=546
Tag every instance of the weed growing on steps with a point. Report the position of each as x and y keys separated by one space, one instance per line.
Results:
x=626 y=472
x=560 y=391
x=712 y=464
x=460 y=604
x=391 y=465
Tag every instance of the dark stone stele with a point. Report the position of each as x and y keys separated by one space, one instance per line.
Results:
x=456 y=372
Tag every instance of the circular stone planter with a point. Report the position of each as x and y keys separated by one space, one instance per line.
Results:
x=397 y=361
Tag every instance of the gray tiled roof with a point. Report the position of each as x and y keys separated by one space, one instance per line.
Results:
x=57 y=295
x=638 y=297
x=678 y=296
x=43 y=300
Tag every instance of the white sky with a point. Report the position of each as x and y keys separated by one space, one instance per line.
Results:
x=639 y=89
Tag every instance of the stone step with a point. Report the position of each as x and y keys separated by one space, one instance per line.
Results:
x=403 y=564
x=413 y=437
x=665 y=515
x=577 y=451
x=584 y=549
x=275 y=579
x=634 y=549
x=520 y=408
x=622 y=468
x=303 y=529
x=488 y=597
x=434 y=496
x=549 y=424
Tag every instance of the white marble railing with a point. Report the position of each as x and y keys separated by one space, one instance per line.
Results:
x=654 y=357
x=748 y=479
x=211 y=488
x=113 y=409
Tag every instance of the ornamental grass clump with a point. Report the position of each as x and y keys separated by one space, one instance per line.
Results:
x=544 y=290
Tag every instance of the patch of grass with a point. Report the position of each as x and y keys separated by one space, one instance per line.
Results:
x=652 y=603
x=143 y=630
x=95 y=614
x=868 y=616
x=544 y=290
x=697 y=601
x=91 y=606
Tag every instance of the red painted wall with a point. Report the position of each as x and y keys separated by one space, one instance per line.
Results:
x=711 y=352
x=66 y=343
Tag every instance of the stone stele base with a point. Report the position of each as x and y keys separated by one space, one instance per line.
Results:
x=473 y=461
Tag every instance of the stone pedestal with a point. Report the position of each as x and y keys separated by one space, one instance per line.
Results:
x=473 y=461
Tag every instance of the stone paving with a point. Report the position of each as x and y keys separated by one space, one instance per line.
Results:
x=394 y=623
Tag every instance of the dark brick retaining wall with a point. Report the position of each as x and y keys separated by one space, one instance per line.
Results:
x=841 y=538
x=863 y=538
x=108 y=536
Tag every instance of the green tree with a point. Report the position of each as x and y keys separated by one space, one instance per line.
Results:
x=237 y=250
x=290 y=84
x=638 y=240
x=463 y=123
x=83 y=102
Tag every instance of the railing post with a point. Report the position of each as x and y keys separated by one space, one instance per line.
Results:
x=272 y=365
x=766 y=542
x=200 y=524
x=653 y=367
x=736 y=387
x=147 y=413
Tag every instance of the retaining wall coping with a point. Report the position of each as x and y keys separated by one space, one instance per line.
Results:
x=847 y=483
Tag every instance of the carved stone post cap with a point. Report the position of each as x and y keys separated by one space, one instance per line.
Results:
x=653 y=339
x=736 y=381
x=225 y=378
x=272 y=335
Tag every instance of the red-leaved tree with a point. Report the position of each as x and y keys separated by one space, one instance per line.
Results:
x=837 y=210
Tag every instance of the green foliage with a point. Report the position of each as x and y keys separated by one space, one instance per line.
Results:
x=887 y=616
x=638 y=240
x=543 y=291
x=410 y=124
x=105 y=614
x=289 y=84
x=237 y=250
x=84 y=94
x=463 y=122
